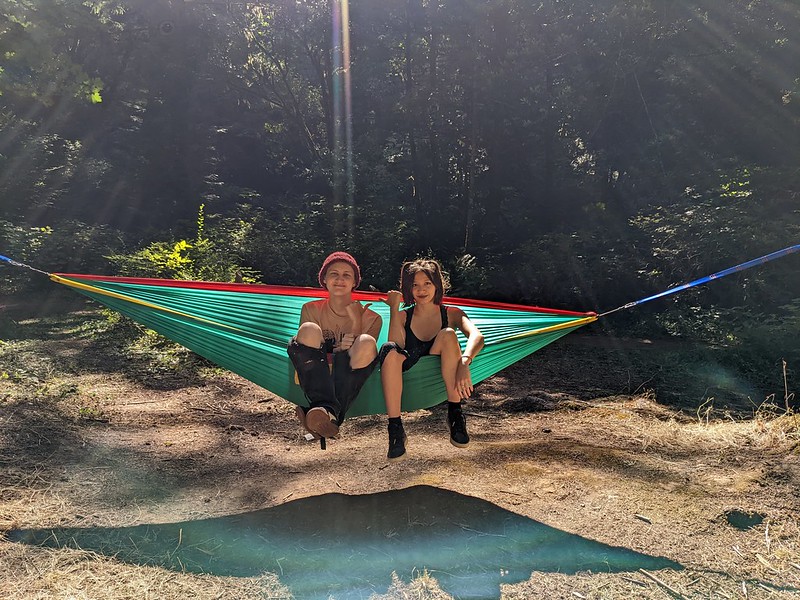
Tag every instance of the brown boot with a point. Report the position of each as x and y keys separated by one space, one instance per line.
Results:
x=322 y=423
x=301 y=416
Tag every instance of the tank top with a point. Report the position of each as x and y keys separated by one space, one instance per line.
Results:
x=415 y=347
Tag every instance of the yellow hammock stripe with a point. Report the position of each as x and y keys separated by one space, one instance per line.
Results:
x=96 y=290
x=560 y=326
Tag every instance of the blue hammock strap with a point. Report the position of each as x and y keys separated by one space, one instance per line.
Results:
x=741 y=267
x=15 y=263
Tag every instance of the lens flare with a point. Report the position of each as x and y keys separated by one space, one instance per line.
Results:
x=344 y=185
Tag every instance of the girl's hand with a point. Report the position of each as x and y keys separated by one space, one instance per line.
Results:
x=464 y=385
x=393 y=299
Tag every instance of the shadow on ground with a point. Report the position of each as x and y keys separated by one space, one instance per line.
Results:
x=348 y=546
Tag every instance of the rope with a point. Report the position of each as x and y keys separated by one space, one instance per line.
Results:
x=19 y=264
x=741 y=267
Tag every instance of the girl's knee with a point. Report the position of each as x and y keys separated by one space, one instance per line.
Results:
x=447 y=336
x=395 y=357
x=391 y=354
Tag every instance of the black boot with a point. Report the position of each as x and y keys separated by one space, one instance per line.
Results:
x=397 y=440
x=457 y=423
x=348 y=381
x=315 y=379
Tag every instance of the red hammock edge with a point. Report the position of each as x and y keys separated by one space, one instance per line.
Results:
x=306 y=292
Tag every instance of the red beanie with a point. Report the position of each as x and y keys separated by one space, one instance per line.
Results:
x=339 y=257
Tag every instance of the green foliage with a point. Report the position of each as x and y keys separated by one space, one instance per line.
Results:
x=589 y=270
x=767 y=340
x=40 y=43
x=37 y=177
x=752 y=315
x=747 y=342
x=737 y=185
x=214 y=254
x=22 y=243
x=467 y=277
x=384 y=237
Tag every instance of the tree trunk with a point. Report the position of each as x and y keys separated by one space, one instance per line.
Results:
x=411 y=104
x=434 y=109
x=470 y=167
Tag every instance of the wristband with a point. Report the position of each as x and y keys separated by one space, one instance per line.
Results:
x=468 y=357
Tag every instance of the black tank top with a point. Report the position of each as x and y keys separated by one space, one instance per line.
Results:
x=415 y=347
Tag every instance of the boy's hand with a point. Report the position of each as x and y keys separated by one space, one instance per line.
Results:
x=355 y=310
x=346 y=342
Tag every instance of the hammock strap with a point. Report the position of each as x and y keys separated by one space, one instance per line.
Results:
x=741 y=267
x=23 y=265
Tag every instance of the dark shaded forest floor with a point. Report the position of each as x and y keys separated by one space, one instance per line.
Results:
x=134 y=470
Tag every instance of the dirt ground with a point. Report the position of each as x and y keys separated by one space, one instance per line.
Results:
x=126 y=477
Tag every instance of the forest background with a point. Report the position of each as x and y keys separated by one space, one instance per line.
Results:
x=561 y=153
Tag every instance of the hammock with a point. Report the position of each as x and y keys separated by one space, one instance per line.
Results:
x=245 y=328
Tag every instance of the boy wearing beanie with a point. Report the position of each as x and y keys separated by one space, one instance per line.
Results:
x=337 y=326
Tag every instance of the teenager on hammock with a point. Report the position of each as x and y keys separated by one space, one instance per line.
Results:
x=427 y=327
x=343 y=328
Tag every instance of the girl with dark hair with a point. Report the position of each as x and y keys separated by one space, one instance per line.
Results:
x=427 y=327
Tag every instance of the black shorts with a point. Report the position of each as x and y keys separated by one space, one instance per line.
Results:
x=412 y=355
x=347 y=382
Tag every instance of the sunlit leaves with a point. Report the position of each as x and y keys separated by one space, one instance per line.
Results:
x=737 y=186
x=92 y=89
x=40 y=44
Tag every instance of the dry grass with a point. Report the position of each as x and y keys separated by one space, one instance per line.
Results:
x=694 y=585
x=771 y=429
x=37 y=573
x=421 y=587
x=33 y=573
x=28 y=499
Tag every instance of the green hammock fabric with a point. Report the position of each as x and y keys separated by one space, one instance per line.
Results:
x=246 y=328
